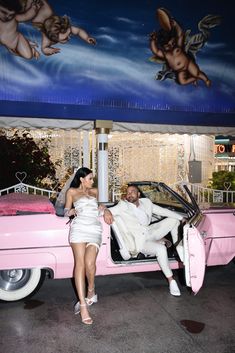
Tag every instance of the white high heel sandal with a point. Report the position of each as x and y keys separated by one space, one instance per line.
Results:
x=93 y=299
x=77 y=310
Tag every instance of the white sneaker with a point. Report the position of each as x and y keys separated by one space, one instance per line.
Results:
x=174 y=289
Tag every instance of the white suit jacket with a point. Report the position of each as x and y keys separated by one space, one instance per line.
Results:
x=135 y=233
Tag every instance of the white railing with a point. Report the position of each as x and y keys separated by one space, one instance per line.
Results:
x=204 y=195
x=28 y=189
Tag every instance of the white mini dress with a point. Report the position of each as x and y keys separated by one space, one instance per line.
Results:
x=86 y=226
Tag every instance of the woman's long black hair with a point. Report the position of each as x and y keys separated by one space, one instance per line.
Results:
x=80 y=173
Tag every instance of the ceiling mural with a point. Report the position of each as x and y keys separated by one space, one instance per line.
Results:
x=142 y=61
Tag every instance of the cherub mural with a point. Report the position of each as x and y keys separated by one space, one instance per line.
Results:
x=11 y=13
x=54 y=29
x=176 y=50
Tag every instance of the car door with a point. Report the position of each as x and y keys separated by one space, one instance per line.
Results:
x=194 y=247
x=194 y=258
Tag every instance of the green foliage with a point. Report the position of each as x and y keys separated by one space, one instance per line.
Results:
x=20 y=153
x=223 y=180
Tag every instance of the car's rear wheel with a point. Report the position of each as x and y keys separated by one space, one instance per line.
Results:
x=16 y=284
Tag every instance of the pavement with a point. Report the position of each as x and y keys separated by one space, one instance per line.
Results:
x=135 y=314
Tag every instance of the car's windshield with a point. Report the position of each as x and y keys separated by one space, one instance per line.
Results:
x=160 y=194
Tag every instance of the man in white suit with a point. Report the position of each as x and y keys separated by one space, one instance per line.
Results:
x=136 y=213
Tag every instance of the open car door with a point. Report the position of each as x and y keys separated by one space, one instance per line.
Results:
x=194 y=258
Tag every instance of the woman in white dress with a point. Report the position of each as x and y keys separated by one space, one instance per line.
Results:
x=85 y=237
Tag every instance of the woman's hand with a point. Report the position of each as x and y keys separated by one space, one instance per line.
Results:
x=70 y=212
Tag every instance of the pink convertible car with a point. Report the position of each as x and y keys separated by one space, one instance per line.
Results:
x=34 y=241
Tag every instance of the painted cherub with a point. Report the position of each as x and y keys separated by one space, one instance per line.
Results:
x=11 y=14
x=168 y=47
x=56 y=29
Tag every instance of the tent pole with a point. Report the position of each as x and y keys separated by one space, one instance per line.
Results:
x=103 y=128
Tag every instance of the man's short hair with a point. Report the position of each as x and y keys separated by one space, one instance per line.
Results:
x=133 y=186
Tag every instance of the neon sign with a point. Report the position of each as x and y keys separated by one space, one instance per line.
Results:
x=220 y=149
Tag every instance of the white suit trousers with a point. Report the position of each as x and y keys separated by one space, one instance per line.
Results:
x=155 y=248
x=152 y=246
x=160 y=229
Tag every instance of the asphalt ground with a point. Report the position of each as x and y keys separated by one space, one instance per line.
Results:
x=135 y=314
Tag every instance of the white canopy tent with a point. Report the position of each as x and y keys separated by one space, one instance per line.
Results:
x=31 y=123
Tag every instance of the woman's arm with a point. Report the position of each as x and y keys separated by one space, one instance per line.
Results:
x=68 y=210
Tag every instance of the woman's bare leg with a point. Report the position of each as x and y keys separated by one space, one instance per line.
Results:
x=79 y=250
x=90 y=266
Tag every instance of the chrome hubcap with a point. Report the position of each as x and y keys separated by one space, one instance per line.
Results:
x=13 y=279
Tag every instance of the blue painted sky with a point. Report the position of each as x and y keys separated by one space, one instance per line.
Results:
x=117 y=72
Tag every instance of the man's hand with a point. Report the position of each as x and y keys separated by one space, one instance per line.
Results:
x=108 y=217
